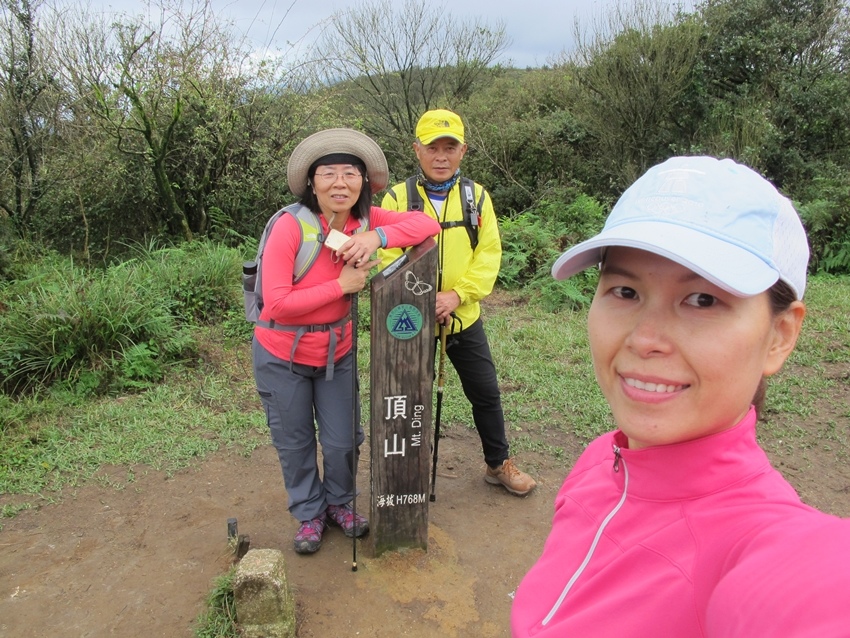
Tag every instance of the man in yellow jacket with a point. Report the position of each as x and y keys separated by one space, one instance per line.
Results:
x=470 y=254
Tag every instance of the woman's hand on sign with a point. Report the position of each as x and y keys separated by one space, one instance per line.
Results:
x=353 y=276
x=356 y=251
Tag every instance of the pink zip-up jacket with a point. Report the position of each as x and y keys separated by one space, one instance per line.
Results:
x=702 y=538
x=318 y=297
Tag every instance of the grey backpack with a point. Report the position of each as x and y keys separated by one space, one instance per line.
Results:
x=311 y=241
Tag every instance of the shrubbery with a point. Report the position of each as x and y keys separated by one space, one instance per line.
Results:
x=553 y=145
x=826 y=216
x=92 y=330
x=533 y=240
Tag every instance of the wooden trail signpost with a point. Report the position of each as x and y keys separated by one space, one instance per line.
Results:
x=403 y=300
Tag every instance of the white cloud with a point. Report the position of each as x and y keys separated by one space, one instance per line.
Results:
x=538 y=29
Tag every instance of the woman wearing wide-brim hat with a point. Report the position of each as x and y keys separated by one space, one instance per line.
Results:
x=302 y=348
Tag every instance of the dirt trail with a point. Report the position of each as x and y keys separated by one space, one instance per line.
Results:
x=139 y=561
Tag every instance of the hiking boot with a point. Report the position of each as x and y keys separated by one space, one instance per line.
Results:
x=508 y=475
x=309 y=536
x=352 y=524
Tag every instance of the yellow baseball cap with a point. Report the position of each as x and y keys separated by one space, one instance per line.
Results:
x=439 y=123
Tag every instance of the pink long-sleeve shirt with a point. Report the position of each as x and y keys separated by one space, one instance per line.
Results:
x=318 y=297
x=702 y=538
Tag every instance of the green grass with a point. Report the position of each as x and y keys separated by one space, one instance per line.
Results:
x=49 y=442
x=552 y=407
x=218 y=620
x=57 y=439
x=545 y=370
x=826 y=329
x=96 y=331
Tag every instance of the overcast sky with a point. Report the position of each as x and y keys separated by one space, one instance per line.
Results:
x=538 y=29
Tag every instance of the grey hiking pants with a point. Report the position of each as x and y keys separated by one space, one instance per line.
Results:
x=296 y=403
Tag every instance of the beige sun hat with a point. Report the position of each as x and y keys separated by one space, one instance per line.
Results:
x=336 y=140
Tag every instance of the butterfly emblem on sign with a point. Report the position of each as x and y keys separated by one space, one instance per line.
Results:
x=415 y=285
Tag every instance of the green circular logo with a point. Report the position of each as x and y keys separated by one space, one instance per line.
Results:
x=404 y=321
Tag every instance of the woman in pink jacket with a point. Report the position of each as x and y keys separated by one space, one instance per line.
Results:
x=303 y=363
x=675 y=524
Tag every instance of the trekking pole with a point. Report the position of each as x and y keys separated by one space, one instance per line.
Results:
x=354 y=392
x=441 y=369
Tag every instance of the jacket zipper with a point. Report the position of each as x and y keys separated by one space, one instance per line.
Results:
x=618 y=462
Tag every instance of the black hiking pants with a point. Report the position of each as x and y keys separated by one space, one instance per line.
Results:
x=470 y=355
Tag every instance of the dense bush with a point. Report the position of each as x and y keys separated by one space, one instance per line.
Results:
x=163 y=146
x=533 y=240
x=200 y=279
x=93 y=330
x=185 y=142
x=826 y=215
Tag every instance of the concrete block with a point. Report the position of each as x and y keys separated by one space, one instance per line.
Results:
x=264 y=604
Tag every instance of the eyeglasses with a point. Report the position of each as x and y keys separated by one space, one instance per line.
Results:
x=329 y=177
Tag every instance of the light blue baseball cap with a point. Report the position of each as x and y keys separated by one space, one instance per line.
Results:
x=716 y=217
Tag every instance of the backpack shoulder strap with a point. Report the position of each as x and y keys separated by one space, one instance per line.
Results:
x=261 y=247
x=414 y=199
x=471 y=212
x=310 y=242
x=312 y=238
x=255 y=296
x=480 y=204
x=364 y=225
